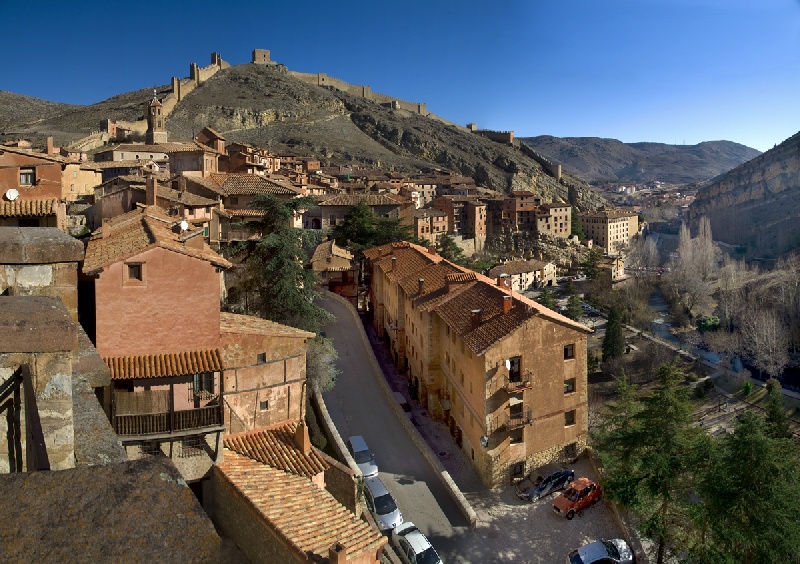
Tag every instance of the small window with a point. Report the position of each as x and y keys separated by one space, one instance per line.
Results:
x=263 y=405
x=569 y=418
x=569 y=386
x=569 y=352
x=262 y=358
x=234 y=201
x=135 y=272
x=205 y=231
x=74 y=174
x=27 y=176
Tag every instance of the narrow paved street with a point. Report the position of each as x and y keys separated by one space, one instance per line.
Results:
x=358 y=406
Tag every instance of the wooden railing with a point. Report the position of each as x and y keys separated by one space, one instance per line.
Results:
x=19 y=388
x=164 y=423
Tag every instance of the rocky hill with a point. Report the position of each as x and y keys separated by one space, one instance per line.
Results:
x=757 y=204
x=17 y=110
x=266 y=106
x=593 y=158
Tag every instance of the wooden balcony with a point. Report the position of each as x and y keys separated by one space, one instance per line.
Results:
x=518 y=419
x=182 y=422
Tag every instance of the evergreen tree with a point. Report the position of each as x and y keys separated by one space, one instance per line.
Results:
x=650 y=451
x=777 y=419
x=275 y=273
x=614 y=340
x=360 y=229
x=574 y=310
x=591 y=263
x=448 y=249
x=750 y=497
x=546 y=299
x=576 y=228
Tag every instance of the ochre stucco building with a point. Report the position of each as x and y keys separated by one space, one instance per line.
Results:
x=506 y=374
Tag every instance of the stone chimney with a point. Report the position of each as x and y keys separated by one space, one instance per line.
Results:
x=337 y=554
x=151 y=198
x=421 y=284
x=105 y=229
x=50 y=150
x=508 y=303
x=303 y=440
x=475 y=318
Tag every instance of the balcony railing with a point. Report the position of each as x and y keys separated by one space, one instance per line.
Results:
x=519 y=382
x=20 y=385
x=166 y=423
x=518 y=419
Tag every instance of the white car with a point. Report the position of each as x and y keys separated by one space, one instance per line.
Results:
x=412 y=546
x=614 y=551
x=364 y=458
x=381 y=504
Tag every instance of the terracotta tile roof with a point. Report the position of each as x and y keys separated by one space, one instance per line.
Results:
x=609 y=214
x=139 y=183
x=236 y=323
x=330 y=249
x=250 y=184
x=517 y=267
x=276 y=447
x=409 y=261
x=207 y=183
x=214 y=133
x=369 y=199
x=183 y=363
x=191 y=147
x=135 y=232
x=244 y=212
x=26 y=208
x=435 y=279
x=428 y=212
x=102 y=165
x=307 y=517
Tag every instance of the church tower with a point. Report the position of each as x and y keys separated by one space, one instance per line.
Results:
x=156 y=132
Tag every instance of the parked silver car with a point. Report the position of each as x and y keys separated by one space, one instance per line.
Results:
x=412 y=546
x=381 y=504
x=364 y=458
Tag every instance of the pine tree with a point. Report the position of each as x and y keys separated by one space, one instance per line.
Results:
x=576 y=228
x=574 y=310
x=546 y=299
x=591 y=263
x=777 y=420
x=447 y=248
x=614 y=340
x=275 y=273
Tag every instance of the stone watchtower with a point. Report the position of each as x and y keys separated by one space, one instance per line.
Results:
x=156 y=132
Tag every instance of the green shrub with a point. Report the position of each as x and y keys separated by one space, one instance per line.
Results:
x=707 y=323
x=773 y=384
x=700 y=392
x=747 y=387
x=708 y=384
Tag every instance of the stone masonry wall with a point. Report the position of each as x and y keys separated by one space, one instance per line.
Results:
x=239 y=521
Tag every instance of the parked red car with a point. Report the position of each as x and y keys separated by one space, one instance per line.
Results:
x=581 y=494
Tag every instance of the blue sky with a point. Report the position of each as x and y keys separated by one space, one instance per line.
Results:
x=671 y=71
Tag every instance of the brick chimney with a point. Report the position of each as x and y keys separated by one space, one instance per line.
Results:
x=475 y=318
x=105 y=230
x=337 y=554
x=421 y=284
x=151 y=197
x=394 y=262
x=431 y=250
x=50 y=150
x=508 y=303
x=500 y=280
x=303 y=440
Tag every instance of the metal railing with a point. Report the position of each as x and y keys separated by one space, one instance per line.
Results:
x=169 y=422
x=518 y=419
x=15 y=393
x=519 y=382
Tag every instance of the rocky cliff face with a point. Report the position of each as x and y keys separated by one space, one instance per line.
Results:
x=757 y=204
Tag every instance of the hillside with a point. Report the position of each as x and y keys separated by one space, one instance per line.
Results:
x=756 y=205
x=265 y=106
x=17 y=110
x=593 y=158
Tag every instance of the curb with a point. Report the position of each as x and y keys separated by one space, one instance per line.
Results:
x=334 y=433
x=412 y=431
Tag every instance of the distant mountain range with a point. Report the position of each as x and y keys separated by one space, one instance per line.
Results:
x=597 y=159
x=757 y=204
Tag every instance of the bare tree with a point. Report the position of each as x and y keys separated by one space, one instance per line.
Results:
x=733 y=277
x=704 y=252
x=764 y=339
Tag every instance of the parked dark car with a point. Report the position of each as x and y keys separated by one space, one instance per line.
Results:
x=532 y=490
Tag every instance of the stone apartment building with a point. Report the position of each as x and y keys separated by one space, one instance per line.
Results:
x=554 y=219
x=246 y=159
x=336 y=270
x=332 y=209
x=507 y=375
x=610 y=229
x=430 y=224
x=466 y=215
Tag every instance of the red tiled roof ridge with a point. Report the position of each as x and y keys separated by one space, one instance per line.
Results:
x=461 y=277
x=156 y=365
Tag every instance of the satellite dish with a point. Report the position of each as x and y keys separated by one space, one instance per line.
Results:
x=508 y=364
x=12 y=194
x=507 y=282
x=184 y=225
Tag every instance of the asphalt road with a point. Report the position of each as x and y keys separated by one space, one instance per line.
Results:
x=358 y=406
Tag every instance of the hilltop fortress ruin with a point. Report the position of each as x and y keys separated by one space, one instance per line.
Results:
x=181 y=87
